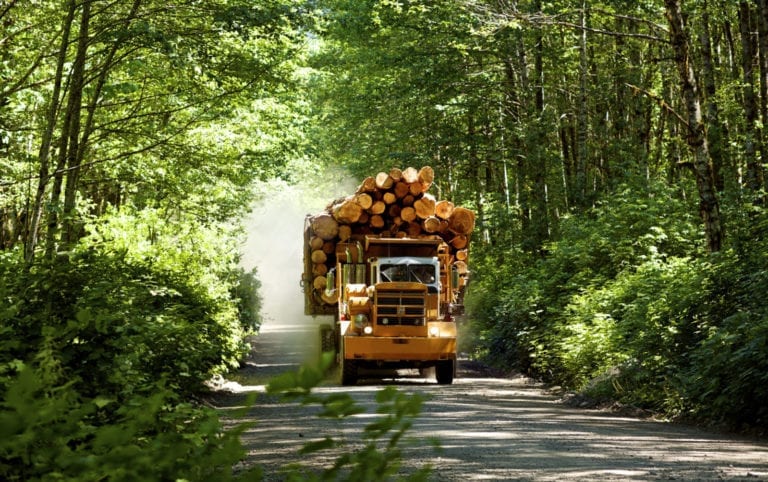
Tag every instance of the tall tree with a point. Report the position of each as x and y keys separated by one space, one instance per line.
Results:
x=754 y=174
x=709 y=207
x=115 y=97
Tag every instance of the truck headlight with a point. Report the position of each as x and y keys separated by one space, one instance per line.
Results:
x=367 y=329
x=434 y=331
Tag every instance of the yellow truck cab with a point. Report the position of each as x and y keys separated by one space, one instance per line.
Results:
x=395 y=303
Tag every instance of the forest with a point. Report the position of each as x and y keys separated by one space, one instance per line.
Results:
x=613 y=150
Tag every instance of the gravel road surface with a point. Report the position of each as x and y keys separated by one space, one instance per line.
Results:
x=489 y=428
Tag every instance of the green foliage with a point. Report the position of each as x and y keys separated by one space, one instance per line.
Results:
x=53 y=432
x=380 y=457
x=249 y=301
x=101 y=351
x=624 y=307
x=135 y=322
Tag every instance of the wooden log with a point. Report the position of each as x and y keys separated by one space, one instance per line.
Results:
x=459 y=241
x=431 y=224
x=347 y=212
x=316 y=242
x=462 y=254
x=318 y=256
x=413 y=229
x=401 y=189
x=425 y=206
x=328 y=247
x=389 y=198
x=378 y=207
x=408 y=200
x=368 y=185
x=396 y=174
x=410 y=175
x=426 y=178
x=364 y=200
x=415 y=188
x=345 y=231
x=319 y=269
x=376 y=221
x=383 y=181
x=325 y=226
x=444 y=209
x=462 y=221
x=461 y=267
x=426 y=174
x=408 y=214
x=330 y=297
x=394 y=211
x=319 y=283
x=364 y=217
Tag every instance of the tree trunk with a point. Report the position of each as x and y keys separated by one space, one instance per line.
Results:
x=762 y=29
x=540 y=203
x=580 y=190
x=754 y=176
x=715 y=137
x=709 y=207
x=69 y=222
x=33 y=228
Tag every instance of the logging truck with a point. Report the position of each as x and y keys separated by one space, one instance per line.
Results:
x=389 y=263
x=395 y=302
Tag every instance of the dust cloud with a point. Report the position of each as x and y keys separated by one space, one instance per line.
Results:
x=274 y=246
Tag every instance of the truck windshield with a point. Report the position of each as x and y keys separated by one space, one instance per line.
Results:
x=419 y=273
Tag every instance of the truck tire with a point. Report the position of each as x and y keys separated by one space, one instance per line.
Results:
x=348 y=372
x=445 y=371
x=327 y=338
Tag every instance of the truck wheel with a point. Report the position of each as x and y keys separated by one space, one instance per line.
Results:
x=348 y=372
x=327 y=338
x=445 y=371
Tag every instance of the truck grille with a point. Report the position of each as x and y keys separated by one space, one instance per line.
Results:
x=400 y=308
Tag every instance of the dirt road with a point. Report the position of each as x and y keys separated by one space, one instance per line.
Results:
x=489 y=428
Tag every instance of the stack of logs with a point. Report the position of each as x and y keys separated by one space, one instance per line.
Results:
x=393 y=204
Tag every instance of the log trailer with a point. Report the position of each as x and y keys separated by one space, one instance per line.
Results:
x=393 y=300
